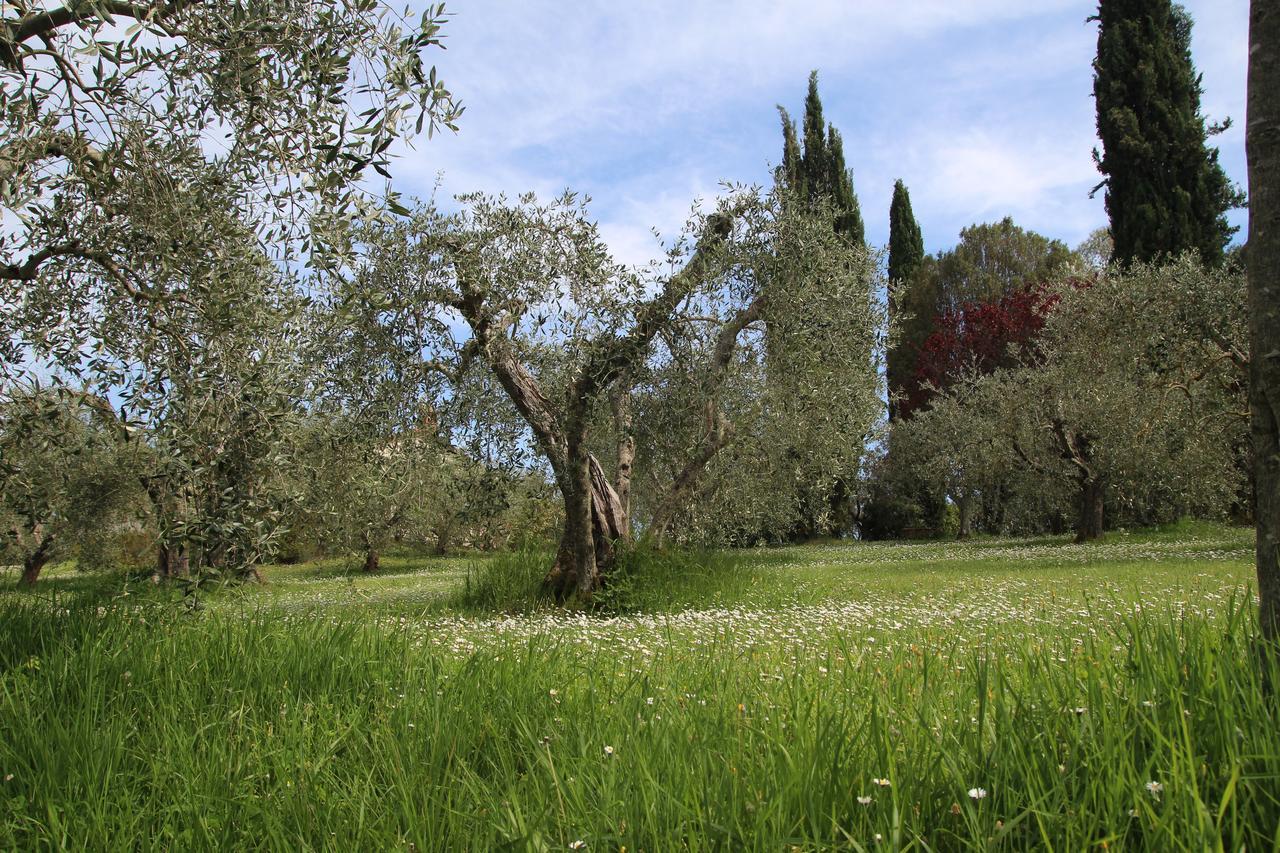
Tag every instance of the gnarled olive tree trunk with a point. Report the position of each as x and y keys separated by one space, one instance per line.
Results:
x=595 y=518
x=1077 y=448
x=36 y=560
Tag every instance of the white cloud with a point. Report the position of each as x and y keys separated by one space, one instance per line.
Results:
x=982 y=106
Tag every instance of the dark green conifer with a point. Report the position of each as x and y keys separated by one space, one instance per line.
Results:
x=815 y=162
x=906 y=243
x=816 y=170
x=908 y=306
x=789 y=170
x=1165 y=191
x=848 y=213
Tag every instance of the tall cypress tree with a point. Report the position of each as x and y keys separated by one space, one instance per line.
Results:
x=906 y=253
x=1165 y=191
x=906 y=243
x=816 y=161
x=789 y=170
x=849 y=214
x=817 y=170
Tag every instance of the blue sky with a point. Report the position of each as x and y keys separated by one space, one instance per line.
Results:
x=983 y=107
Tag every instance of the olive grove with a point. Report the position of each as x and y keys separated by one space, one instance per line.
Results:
x=166 y=169
x=1116 y=406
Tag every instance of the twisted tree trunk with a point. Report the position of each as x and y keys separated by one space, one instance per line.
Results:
x=594 y=524
x=36 y=560
x=595 y=515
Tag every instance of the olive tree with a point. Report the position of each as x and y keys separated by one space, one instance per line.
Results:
x=528 y=292
x=65 y=480
x=165 y=167
x=740 y=438
x=291 y=101
x=203 y=371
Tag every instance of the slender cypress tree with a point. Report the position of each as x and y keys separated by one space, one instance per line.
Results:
x=817 y=170
x=1165 y=191
x=849 y=216
x=816 y=160
x=906 y=252
x=789 y=170
x=906 y=243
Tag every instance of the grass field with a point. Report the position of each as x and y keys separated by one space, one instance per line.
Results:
x=997 y=694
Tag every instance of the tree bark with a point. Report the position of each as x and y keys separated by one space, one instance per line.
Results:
x=1092 y=501
x=965 y=506
x=36 y=560
x=371 y=560
x=179 y=563
x=164 y=562
x=1262 y=144
x=626 y=452
x=594 y=523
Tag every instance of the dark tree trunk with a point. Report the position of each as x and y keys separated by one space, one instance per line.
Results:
x=1092 y=499
x=171 y=562
x=36 y=561
x=575 y=572
x=1262 y=143
x=179 y=563
x=965 y=507
x=371 y=560
x=442 y=539
x=594 y=523
x=164 y=561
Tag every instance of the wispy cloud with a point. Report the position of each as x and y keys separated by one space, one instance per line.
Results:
x=983 y=106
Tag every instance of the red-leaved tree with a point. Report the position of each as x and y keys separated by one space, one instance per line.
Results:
x=978 y=336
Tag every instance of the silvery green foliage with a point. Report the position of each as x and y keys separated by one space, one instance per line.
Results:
x=159 y=162
x=65 y=479
x=797 y=413
x=292 y=102
x=553 y=296
x=200 y=364
x=1145 y=366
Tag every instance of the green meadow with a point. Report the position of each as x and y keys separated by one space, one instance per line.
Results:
x=993 y=694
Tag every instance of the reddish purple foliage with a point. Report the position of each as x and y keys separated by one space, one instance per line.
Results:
x=980 y=336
